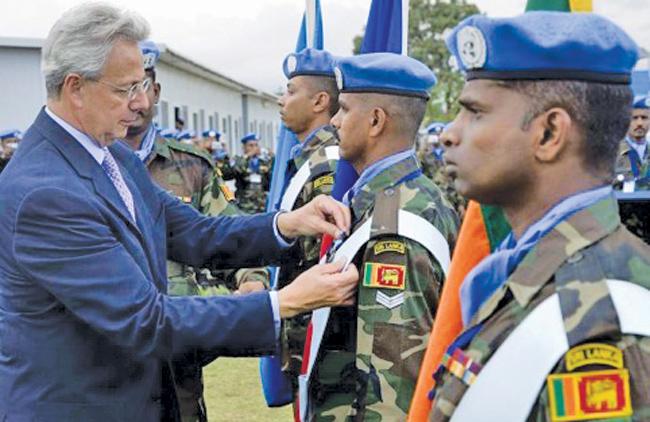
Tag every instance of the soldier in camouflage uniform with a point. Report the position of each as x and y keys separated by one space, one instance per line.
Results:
x=189 y=174
x=252 y=176
x=370 y=354
x=9 y=140
x=431 y=160
x=546 y=331
x=633 y=163
x=308 y=104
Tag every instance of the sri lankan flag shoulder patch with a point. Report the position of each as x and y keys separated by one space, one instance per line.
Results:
x=582 y=396
x=384 y=276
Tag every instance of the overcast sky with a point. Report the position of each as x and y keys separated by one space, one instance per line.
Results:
x=248 y=39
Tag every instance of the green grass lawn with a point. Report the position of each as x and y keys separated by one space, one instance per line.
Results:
x=233 y=392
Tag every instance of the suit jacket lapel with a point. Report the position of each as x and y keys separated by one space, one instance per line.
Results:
x=144 y=222
x=85 y=165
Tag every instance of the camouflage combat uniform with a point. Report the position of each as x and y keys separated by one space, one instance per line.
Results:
x=252 y=186
x=434 y=169
x=305 y=253
x=371 y=354
x=188 y=173
x=6 y=151
x=624 y=167
x=573 y=260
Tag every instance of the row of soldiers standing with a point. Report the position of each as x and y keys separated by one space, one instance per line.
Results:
x=367 y=109
x=555 y=325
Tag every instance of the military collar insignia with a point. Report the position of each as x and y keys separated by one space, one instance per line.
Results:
x=472 y=47
x=339 y=78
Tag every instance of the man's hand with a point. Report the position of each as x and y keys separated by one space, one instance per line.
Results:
x=322 y=215
x=321 y=285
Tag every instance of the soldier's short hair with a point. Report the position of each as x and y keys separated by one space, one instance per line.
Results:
x=81 y=40
x=328 y=85
x=406 y=112
x=601 y=112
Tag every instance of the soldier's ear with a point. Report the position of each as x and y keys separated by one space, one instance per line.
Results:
x=156 y=92
x=377 y=121
x=321 y=102
x=551 y=134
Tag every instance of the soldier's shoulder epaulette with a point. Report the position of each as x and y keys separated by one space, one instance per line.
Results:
x=418 y=195
x=190 y=149
x=623 y=148
x=597 y=255
x=327 y=135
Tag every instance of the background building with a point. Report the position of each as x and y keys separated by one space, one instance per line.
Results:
x=641 y=77
x=202 y=97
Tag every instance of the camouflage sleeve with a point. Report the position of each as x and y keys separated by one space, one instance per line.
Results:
x=226 y=169
x=603 y=379
x=310 y=245
x=217 y=199
x=398 y=294
x=246 y=275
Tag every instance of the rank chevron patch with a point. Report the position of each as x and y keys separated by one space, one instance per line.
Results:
x=390 y=302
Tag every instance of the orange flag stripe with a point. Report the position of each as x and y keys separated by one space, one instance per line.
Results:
x=473 y=245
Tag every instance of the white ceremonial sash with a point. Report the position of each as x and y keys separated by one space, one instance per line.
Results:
x=517 y=370
x=410 y=226
x=294 y=188
x=301 y=177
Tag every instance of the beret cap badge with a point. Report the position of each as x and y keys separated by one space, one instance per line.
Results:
x=339 y=78
x=471 y=47
x=292 y=63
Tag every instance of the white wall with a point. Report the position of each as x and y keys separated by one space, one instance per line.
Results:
x=22 y=87
x=198 y=96
x=22 y=94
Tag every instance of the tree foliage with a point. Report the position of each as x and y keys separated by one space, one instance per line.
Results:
x=428 y=22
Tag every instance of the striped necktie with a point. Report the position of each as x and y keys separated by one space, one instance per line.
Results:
x=113 y=172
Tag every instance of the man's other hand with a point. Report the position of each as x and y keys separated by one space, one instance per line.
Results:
x=322 y=285
x=322 y=215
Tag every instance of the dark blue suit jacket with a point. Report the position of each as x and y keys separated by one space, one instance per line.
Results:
x=85 y=327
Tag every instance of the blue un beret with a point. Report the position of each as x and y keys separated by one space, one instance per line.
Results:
x=169 y=133
x=544 y=45
x=250 y=137
x=211 y=134
x=309 y=62
x=384 y=73
x=150 y=53
x=10 y=134
x=186 y=134
x=436 y=128
x=642 y=102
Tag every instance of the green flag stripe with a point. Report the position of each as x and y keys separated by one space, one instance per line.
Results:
x=558 y=392
x=367 y=277
x=552 y=5
x=496 y=225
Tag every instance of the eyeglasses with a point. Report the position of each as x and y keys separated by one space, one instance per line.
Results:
x=132 y=90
